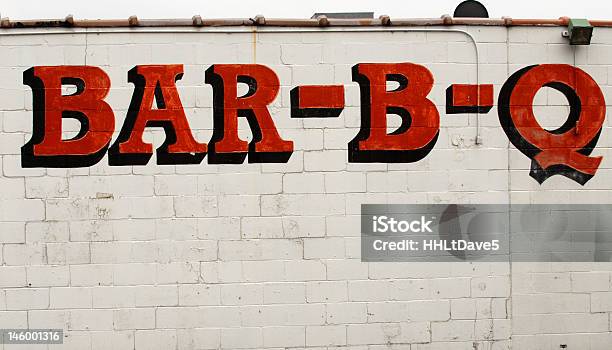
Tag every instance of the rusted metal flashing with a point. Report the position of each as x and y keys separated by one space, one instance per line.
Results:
x=321 y=21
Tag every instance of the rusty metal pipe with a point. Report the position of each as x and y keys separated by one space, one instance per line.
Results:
x=287 y=22
x=478 y=21
x=229 y=22
x=600 y=23
x=35 y=23
x=417 y=22
x=102 y=23
x=165 y=22
x=539 y=22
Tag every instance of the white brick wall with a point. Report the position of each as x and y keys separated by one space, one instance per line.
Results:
x=266 y=256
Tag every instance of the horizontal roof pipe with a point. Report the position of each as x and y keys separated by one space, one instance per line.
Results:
x=321 y=21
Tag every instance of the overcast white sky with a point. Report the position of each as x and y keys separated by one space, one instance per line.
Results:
x=31 y=9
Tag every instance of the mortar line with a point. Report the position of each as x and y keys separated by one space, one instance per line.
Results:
x=510 y=299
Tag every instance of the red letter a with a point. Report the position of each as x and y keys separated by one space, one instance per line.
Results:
x=156 y=83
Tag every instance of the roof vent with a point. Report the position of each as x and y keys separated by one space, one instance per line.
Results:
x=344 y=15
x=472 y=9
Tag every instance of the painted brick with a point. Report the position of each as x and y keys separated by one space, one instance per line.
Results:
x=324 y=248
x=156 y=339
x=46 y=187
x=154 y=296
x=303 y=183
x=114 y=297
x=490 y=287
x=15 y=319
x=301 y=54
x=550 y=303
x=192 y=295
x=242 y=294
x=292 y=336
x=241 y=338
x=48 y=276
x=70 y=298
x=561 y=323
x=120 y=340
x=21 y=210
x=299 y=204
x=91 y=275
x=303 y=226
x=24 y=254
x=264 y=249
x=140 y=318
x=194 y=207
x=48 y=318
x=176 y=273
x=12 y=188
x=345 y=182
x=204 y=338
x=68 y=253
x=284 y=293
x=27 y=299
x=13 y=232
x=327 y=291
x=590 y=281
x=454 y=330
x=385 y=333
x=344 y=313
x=305 y=270
x=325 y=335
x=97 y=320
x=191 y=317
x=239 y=205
